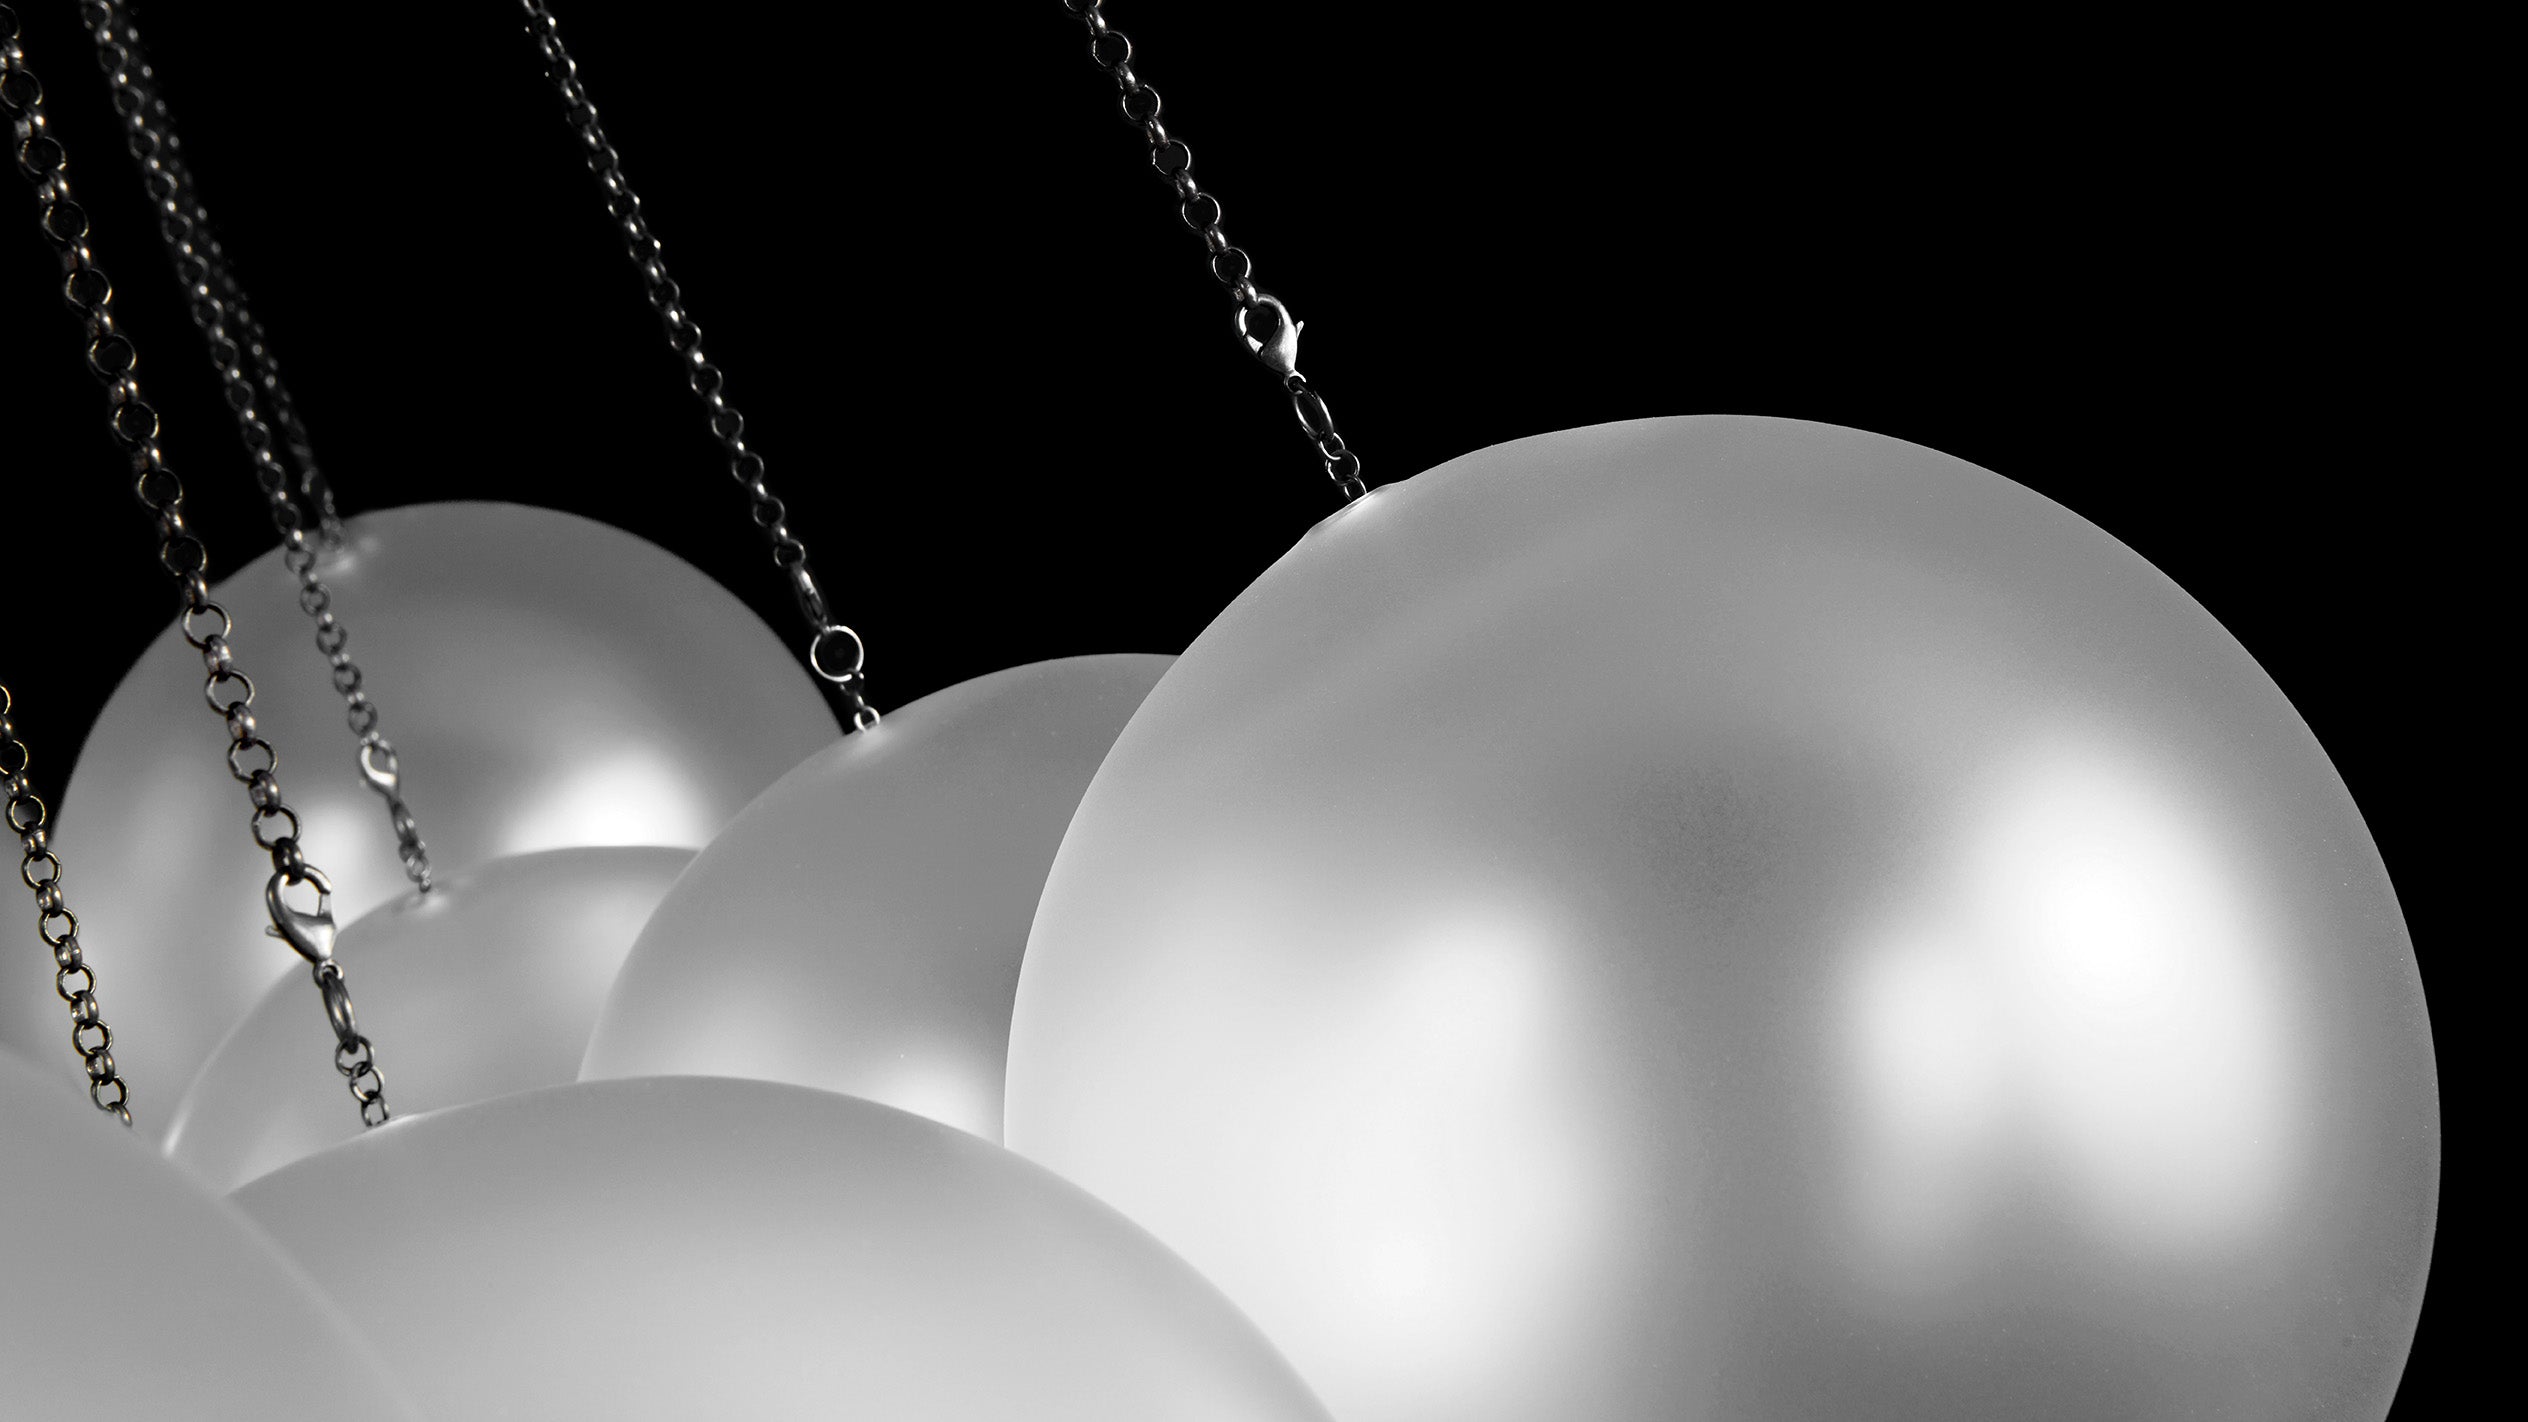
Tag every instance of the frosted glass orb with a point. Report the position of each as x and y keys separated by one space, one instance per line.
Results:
x=682 y=1247
x=858 y=927
x=486 y=985
x=548 y=682
x=126 y=1292
x=1729 y=918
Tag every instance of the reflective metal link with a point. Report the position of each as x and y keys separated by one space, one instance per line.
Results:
x=1263 y=323
x=205 y=624
x=41 y=869
x=353 y=1056
x=252 y=383
x=834 y=650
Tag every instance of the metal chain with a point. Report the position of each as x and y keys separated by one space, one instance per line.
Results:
x=1263 y=323
x=252 y=760
x=173 y=193
x=58 y=926
x=829 y=641
x=245 y=367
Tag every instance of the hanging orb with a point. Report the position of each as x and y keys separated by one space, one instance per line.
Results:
x=547 y=681
x=678 y=1247
x=858 y=927
x=127 y=1292
x=484 y=986
x=1731 y=917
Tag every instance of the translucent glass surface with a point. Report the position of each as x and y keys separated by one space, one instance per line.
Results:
x=1731 y=918
x=486 y=985
x=549 y=681
x=127 y=1292
x=686 y=1247
x=859 y=926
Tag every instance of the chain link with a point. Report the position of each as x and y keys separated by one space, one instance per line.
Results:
x=835 y=652
x=1263 y=323
x=58 y=926
x=247 y=370
x=252 y=760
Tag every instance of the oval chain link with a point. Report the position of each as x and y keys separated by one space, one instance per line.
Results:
x=246 y=368
x=58 y=926
x=1263 y=323
x=40 y=158
x=835 y=653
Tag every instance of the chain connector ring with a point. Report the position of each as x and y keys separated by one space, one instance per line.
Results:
x=311 y=934
x=816 y=653
x=1277 y=349
x=339 y=1016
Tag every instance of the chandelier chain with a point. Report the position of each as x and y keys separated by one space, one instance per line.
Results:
x=835 y=653
x=1270 y=333
x=58 y=926
x=169 y=183
x=110 y=356
x=251 y=381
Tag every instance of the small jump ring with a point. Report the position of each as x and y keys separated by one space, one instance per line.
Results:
x=816 y=653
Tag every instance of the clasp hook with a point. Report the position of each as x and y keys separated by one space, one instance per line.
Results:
x=312 y=934
x=1279 y=349
x=380 y=766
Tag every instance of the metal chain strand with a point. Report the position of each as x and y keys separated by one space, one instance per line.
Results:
x=59 y=927
x=169 y=183
x=246 y=369
x=252 y=761
x=835 y=652
x=1263 y=323
x=311 y=485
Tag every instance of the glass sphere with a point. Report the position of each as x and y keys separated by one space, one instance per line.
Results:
x=683 y=1247
x=547 y=681
x=1728 y=917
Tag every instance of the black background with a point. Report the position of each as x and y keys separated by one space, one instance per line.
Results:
x=2168 y=280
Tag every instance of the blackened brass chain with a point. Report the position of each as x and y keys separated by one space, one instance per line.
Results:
x=835 y=652
x=72 y=977
x=1263 y=323
x=252 y=760
x=251 y=380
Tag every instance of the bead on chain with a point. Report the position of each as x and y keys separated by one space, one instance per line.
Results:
x=1263 y=323
x=58 y=926
x=252 y=761
x=246 y=367
x=835 y=653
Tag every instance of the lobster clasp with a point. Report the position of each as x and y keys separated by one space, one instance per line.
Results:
x=381 y=768
x=311 y=934
x=1277 y=347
